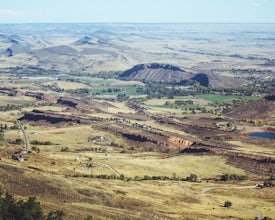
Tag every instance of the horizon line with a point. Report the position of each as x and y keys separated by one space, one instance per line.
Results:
x=134 y=22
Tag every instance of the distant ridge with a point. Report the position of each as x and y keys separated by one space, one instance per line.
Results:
x=83 y=41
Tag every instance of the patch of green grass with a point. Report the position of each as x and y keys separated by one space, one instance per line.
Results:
x=225 y=98
x=114 y=90
x=184 y=107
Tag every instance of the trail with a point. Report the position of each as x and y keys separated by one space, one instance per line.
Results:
x=216 y=202
x=25 y=136
x=109 y=167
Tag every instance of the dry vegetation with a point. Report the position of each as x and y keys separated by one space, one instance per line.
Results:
x=94 y=154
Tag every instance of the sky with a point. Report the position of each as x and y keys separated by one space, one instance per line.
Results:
x=148 y=11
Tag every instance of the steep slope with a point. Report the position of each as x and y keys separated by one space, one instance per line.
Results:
x=157 y=72
x=260 y=109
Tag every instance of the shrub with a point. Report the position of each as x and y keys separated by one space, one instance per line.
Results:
x=227 y=177
x=227 y=204
x=65 y=149
x=192 y=178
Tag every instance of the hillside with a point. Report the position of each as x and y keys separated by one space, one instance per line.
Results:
x=263 y=109
x=157 y=72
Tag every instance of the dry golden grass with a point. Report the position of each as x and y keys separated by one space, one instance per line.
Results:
x=15 y=100
x=253 y=149
x=47 y=108
x=120 y=107
x=70 y=85
x=116 y=199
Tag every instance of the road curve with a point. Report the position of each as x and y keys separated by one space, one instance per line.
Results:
x=204 y=190
x=109 y=167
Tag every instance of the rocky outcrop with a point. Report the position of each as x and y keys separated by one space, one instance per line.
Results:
x=68 y=102
x=48 y=117
x=180 y=143
x=40 y=96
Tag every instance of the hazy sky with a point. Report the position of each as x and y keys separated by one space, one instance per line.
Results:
x=37 y=11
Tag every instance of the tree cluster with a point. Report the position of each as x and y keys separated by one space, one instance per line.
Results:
x=10 y=209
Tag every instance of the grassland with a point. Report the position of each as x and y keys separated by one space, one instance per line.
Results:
x=226 y=98
x=80 y=179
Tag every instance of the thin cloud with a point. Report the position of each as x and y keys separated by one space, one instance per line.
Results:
x=13 y=13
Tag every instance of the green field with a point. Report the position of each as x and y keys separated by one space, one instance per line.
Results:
x=225 y=98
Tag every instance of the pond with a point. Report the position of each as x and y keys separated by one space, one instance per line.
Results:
x=262 y=135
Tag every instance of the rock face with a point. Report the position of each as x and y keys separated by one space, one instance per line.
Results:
x=48 y=117
x=157 y=72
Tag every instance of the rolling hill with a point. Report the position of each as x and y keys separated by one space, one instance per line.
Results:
x=263 y=108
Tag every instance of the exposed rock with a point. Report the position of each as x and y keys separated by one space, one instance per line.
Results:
x=49 y=117
x=40 y=96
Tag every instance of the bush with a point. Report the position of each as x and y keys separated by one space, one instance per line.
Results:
x=192 y=178
x=36 y=142
x=36 y=149
x=65 y=149
x=227 y=204
x=227 y=177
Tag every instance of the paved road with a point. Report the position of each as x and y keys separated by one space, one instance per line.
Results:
x=25 y=136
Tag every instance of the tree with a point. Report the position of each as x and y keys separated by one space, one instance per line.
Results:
x=57 y=215
x=227 y=204
x=192 y=178
x=24 y=210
